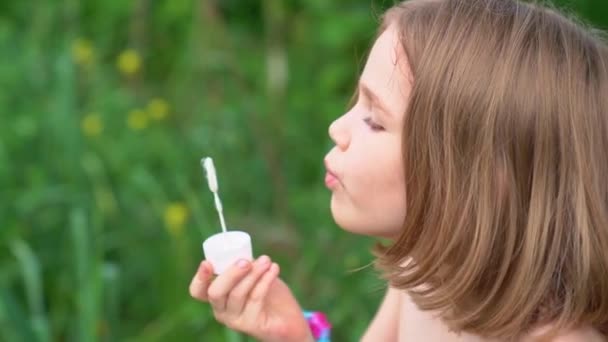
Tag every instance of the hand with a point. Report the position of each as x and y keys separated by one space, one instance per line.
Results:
x=251 y=298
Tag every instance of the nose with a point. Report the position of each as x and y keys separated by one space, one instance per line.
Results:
x=338 y=132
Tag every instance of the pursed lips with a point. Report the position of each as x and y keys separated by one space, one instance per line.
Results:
x=331 y=178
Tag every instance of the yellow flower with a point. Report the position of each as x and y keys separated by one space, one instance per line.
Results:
x=129 y=62
x=91 y=125
x=176 y=215
x=158 y=109
x=82 y=52
x=137 y=120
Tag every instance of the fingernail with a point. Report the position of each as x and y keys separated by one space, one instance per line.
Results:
x=242 y=263
x=202 y=272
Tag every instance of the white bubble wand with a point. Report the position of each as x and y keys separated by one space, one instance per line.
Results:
x=207 y=164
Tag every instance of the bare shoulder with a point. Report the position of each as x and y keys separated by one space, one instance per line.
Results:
x=582 y=335
x=586 y=334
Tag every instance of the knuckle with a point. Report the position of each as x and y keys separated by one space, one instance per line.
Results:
x=222 y=319
x=193 y=292
x=214 y=294
x=218 y=317
x=196 y=291
x=237 y=295
x=232 y=325
x=256 y=296
x=236 y=324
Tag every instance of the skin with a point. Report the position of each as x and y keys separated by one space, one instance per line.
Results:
x=240 y=299
x=368 y=197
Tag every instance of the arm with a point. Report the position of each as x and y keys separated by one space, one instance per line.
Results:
x=384 y=326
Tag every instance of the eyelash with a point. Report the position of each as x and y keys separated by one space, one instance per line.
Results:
x=372 y=125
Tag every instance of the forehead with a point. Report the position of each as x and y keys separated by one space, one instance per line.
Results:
x=387 y=72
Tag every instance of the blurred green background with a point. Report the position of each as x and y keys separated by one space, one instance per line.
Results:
x=106 y=109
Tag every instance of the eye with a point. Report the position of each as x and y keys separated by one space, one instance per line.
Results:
x=372 y=125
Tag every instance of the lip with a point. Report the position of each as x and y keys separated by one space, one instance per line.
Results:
x=331 y=179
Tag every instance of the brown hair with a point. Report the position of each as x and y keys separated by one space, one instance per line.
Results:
x=506 y=164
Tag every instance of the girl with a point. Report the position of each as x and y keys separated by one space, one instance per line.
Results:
x=478 y=146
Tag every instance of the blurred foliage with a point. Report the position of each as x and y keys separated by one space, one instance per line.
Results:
x=107 y=108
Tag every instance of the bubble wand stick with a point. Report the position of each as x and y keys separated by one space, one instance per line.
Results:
x=207 y=164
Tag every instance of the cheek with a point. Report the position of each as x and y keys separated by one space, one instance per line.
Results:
x=375 y=207
x=387 y=204
x=375 y=204
x=378 y=170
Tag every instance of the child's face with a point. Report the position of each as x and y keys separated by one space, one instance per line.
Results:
x=368 y=190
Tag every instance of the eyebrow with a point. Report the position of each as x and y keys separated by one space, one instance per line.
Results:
x=367 y=92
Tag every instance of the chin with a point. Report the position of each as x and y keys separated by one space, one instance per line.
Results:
x=344 y=218
x=352 y=222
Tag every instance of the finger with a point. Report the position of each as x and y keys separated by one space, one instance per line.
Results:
x=200 y=281
x=225 y=282
x=240 y=294
x=258 y=294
